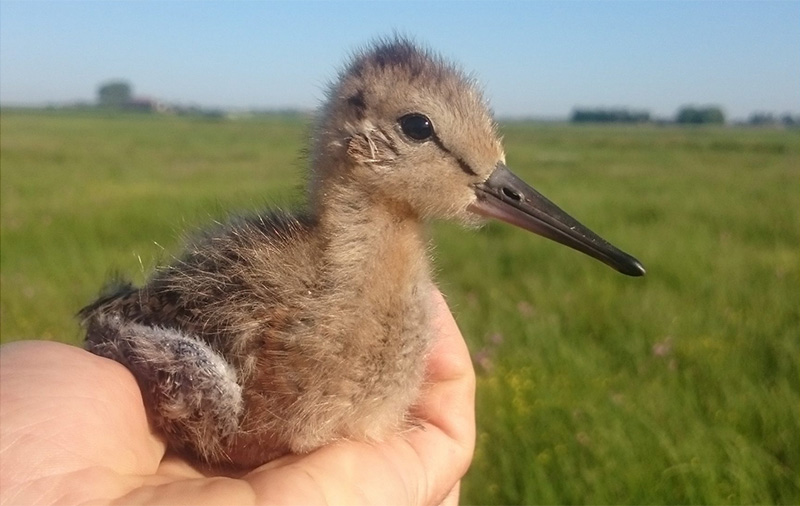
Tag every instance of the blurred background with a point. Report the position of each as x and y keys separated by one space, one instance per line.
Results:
x=670 y=128
x=535 y=59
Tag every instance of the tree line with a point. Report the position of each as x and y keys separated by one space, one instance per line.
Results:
x=118 y=94
x=686 y=115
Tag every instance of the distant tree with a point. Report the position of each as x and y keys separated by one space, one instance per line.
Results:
x=789 y=120
x=690 y=115
x=770 y=119
x=762 y=118
x=114 y=94
x=609 y=116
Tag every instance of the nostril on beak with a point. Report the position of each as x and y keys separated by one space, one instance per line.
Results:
x=508 y=192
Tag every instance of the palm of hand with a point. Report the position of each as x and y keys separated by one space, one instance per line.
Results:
x=74 y=430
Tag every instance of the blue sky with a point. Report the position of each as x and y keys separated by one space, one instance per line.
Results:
x=534 y=58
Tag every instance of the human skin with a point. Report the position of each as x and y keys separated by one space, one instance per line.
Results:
x=73 y=429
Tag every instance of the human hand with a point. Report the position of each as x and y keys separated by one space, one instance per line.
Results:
x=73 y=430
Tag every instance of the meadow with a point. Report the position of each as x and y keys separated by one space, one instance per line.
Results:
x=679 y=387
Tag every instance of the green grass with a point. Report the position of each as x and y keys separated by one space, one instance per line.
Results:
x=680 y=387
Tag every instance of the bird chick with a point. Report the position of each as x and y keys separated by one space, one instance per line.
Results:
x=279 y=333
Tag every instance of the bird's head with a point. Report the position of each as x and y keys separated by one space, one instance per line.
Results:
x=415 y=133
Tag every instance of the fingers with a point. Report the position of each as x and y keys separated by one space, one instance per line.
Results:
x=90 y=401
x=448 y=405
x=452 y=497
x=449 y=401
x=66 y=411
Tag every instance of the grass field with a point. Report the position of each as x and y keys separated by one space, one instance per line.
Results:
x=680 y=387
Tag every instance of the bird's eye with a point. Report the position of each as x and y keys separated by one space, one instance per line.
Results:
x=417 y=126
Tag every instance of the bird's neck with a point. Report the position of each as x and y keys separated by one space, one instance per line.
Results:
x=374 y=303
x=372 y=248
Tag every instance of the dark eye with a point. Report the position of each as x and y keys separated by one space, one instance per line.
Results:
x=417 y=126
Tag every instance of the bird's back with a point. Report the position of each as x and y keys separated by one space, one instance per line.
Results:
x=222 y=279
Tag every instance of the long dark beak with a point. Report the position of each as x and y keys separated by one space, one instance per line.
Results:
x=508 y=198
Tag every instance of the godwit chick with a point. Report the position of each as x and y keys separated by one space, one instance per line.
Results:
x=281 y=332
